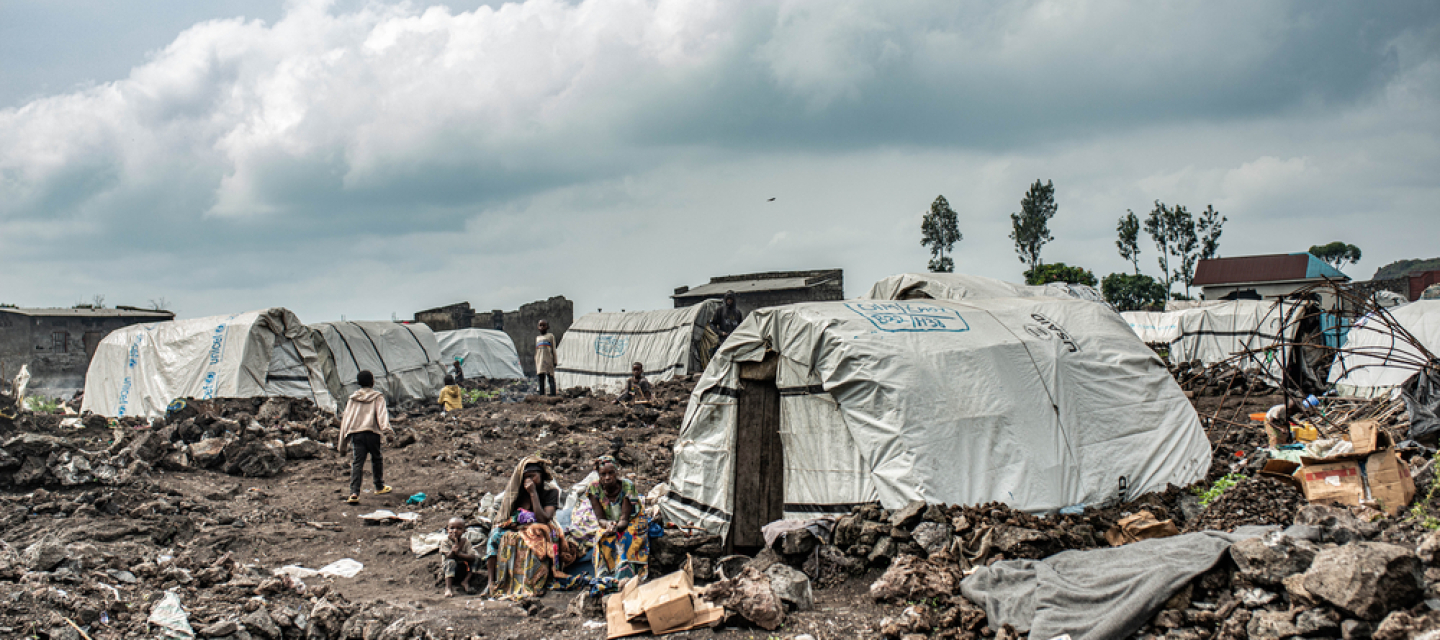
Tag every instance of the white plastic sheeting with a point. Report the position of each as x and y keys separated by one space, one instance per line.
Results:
x=1037 y=402
x=138 y=370
x=958 y=286
x=485 y=353
x=1154 y=327
x=1364 y=368
x=599 y=348
x=405 y=358
x=1215 y=332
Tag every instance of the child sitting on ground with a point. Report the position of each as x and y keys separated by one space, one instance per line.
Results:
x=458 y=559
x=450 y=395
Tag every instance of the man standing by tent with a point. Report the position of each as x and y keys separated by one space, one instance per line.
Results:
x=727 y=318
x=545 y=361
x=365 y=419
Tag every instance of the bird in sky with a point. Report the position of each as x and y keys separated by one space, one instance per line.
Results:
x=770 y=200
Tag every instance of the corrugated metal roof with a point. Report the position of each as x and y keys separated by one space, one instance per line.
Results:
x=90 y=313
x=1279 y=267
x=744 y=286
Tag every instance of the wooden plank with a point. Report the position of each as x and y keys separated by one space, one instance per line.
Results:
x=759 y=463
x=762 y=370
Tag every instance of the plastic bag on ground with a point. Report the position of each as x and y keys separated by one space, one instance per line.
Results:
x=170 y=619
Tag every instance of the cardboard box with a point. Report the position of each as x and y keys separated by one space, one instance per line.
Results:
x=1372 y=474
x=665 y=605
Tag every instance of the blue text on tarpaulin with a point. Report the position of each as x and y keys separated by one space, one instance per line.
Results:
x=896 y=317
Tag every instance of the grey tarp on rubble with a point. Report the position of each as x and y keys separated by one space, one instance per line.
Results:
x=1096 y=594
x=138 y=370
x=486 y=353
x=1037 y=402
x=405 y=358
x=599 y=348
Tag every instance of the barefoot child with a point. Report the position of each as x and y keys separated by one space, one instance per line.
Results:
x=457 y=557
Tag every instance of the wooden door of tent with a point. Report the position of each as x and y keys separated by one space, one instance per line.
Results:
x=759 y=455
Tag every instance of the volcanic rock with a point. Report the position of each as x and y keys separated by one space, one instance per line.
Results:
x=1366 y=579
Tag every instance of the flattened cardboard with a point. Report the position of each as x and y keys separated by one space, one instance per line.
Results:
x=665 y=605
x=1367 y=436
x=1140 y=526
x=1282 y=470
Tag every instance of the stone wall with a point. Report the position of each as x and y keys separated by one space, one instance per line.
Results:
x=520 y=325
x=57 y=349
x=448 y=318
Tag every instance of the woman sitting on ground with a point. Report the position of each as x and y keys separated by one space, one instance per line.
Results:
x=610 y=517
x=526 y=547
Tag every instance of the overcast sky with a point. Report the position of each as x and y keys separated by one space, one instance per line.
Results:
x=369 y=159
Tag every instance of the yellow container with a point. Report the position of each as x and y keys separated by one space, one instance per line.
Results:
x=1305 y=432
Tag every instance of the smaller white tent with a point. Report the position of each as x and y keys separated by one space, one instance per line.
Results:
x=959 y=286
x=483 y=353
x=405 y=358
x=138 y=370
x=599 y=348
x=1215 y=332
x=1373 y=360
x=1154 y=327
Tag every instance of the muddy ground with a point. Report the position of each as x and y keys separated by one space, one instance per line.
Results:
x=99 y=552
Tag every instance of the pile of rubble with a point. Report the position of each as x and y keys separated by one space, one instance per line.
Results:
x=252 y=437
x=1199 y=380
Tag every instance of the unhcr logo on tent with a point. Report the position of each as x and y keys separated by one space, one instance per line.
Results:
x=611 y=346
x=896 y=317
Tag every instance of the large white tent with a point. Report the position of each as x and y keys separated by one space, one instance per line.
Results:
x=1037 y=402
x=483 y=353
x=1375 y=360
x=599 y=348
x=404 y=358
x=1154 y=327
x=138 y=370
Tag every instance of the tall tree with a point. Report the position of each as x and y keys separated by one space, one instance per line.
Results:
x=1210 y=228
x=1133 y=293
x=1157 y=225
x=940 y=230
x=1129 y=243
x=1186 y=245
x=1337 y=253
x=1173 y=230
x=1030 y=229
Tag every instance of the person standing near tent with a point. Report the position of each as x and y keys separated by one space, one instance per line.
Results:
x=637 y=388
x=365 y=419
x=545 y=361
x=450 y=396
x=727 y=318
x=459 y=373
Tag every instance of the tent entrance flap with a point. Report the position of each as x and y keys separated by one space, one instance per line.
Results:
x=759 y=455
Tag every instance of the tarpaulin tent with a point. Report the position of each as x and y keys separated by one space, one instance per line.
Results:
x=959 y=286
x=138 y=370
x=1037 y=402
x=484 y=353
x=1375 y=360
x=599 y=348
x=404 y=358
x=1154 y=327
x=1215 y=332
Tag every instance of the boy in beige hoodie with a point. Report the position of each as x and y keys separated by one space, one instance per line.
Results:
x=364 y=421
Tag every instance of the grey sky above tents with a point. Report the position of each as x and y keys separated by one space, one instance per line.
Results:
x=348 y=158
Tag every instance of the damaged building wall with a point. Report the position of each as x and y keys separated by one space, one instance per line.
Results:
x=518 y=324
x=57 y=344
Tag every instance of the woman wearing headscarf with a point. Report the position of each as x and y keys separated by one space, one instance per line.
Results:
x=611 y=518
x=527 y=548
